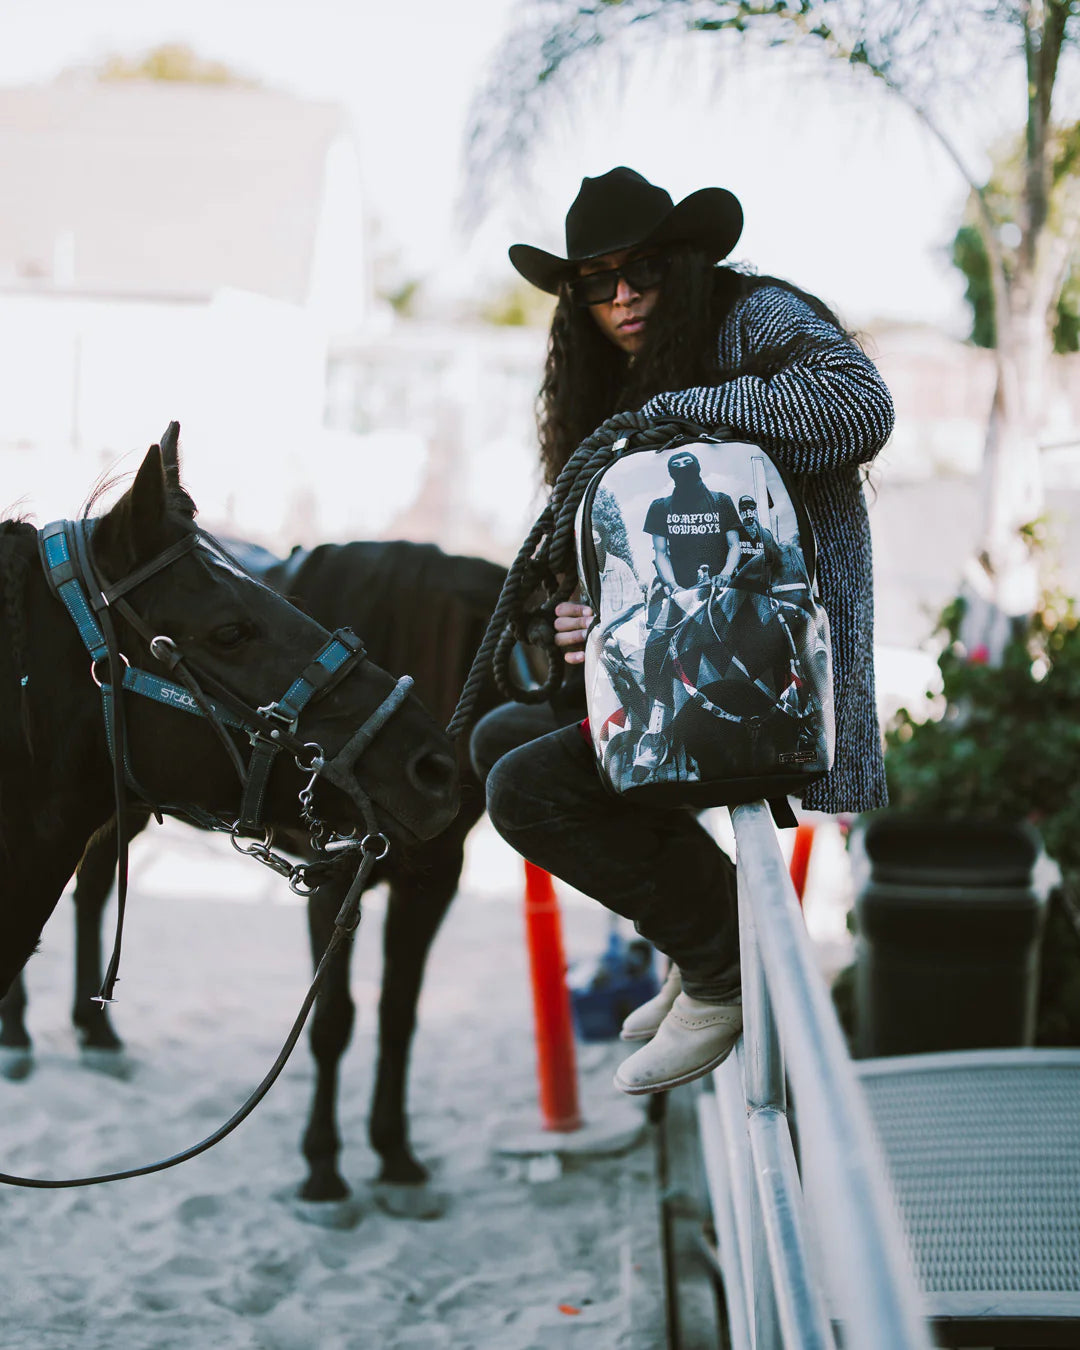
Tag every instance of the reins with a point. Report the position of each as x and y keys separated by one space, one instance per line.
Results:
x=344 y=926
x=66 y=557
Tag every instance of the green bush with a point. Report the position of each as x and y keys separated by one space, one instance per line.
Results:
x=1008 y=746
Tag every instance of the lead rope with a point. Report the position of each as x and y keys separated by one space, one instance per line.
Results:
x=344 y=926
x=372 y=847
x=546 y=564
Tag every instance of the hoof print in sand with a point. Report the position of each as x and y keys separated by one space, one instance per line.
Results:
x=250 y=1296
x=339 y=1214
x=113 y=1063
x=198 y=1208
x=409 y=1202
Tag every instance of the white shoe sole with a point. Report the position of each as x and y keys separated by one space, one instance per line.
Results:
x=644 y=1035
x=642 y=1089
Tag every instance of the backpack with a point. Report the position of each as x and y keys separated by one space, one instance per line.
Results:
x=708 y=670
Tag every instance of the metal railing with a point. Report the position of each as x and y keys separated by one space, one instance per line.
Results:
x=782 y=1291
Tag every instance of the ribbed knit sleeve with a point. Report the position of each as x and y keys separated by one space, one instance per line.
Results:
x=825 y=411
x=826 y=408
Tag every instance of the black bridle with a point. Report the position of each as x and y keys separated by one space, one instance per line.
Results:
x=65 y=552
x=90 y=600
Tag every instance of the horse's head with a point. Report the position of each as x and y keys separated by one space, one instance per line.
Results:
x=185 y=610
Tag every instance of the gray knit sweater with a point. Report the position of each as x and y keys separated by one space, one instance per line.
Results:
x=821 y=416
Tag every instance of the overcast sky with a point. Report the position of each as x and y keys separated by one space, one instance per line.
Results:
x=842 y=193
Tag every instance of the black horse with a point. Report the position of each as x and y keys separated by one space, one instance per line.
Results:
x=178 y=604
x=421 y=610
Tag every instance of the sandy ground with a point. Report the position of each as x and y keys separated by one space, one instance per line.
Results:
x=216 y=1254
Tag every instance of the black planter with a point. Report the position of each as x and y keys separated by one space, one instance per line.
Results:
x=949 y=915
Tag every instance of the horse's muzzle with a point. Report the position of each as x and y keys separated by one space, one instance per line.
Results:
x=426 y=799
x=434 y=775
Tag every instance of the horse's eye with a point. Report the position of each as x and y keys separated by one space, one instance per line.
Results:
x=232 y=634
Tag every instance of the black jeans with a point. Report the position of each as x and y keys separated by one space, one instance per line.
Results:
x=659 y=868
x=510 y=725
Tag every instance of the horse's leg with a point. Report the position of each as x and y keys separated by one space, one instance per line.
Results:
x=36 y=889
x=415 y=910
x=16 y=1056
x=93 y=884
x=331 y=1028
x=420 y=895
x=95 y=878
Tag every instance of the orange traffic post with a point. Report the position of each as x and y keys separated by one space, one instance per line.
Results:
x=800 y=858
x=556 y=1064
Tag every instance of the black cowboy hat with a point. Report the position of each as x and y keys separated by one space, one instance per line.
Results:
x=622 y=210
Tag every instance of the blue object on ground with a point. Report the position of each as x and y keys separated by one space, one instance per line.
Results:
x=605 y=990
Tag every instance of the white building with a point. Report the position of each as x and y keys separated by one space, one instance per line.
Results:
x=456 y=404
x=173 y=251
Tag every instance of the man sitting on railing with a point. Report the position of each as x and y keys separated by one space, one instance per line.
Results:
x=643 y=309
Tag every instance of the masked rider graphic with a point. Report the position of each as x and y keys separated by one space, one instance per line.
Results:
x=696 y=542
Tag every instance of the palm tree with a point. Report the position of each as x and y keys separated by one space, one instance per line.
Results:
x=944 y=59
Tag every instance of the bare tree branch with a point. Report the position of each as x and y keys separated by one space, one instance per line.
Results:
x=922 y=50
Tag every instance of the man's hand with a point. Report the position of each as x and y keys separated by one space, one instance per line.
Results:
x=686 y=597
x=572 y=623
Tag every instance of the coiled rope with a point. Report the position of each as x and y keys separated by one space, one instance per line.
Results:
x=544 y=573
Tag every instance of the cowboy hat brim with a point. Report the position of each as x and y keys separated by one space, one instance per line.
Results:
x=712 y=218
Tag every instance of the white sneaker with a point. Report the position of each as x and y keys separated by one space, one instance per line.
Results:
x=643 y=1022
x=692 y=1040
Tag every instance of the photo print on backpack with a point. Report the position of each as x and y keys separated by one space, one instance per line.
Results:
x=709 y=663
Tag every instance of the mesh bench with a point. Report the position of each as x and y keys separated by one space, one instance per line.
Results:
x=983 y=1148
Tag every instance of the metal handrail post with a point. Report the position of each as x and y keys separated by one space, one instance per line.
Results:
x=876 y=1294
x=792 y=1312
x=763 y=1059
x=763 y=1087
x=800 y=1306
x=724 y=1142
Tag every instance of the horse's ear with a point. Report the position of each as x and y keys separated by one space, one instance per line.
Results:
x=170 y=453
x=134 y=529
x=149 y=496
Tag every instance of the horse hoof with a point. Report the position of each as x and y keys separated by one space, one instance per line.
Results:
x=340 y=1215
x=16 y=1062
x=114 y=1063
x=409 y=1202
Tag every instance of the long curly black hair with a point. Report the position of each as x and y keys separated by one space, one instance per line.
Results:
x=587 y=378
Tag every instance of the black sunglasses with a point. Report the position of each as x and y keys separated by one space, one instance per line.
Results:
x=598 y=288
